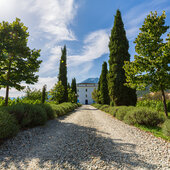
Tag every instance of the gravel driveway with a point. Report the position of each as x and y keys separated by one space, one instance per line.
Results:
x=86 y=139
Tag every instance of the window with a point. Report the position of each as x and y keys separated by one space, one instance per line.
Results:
x=86 y=95
x=86 y=89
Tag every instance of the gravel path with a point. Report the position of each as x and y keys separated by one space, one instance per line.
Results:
x=86 y=139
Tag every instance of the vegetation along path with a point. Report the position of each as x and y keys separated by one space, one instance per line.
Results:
x=86 y=139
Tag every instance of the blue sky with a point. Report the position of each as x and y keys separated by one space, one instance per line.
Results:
x=83 y=25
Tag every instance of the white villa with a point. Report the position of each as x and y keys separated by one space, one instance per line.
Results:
x=84 y=92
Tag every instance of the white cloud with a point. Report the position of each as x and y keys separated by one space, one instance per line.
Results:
x=49 y=81
x=55 y=16
x=95 y=45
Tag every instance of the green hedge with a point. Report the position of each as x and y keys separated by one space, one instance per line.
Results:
x=63 y=108
x=134 y=115
x=28 y=115
x=22 y=115
x=144 y=116
x=166 y=127
x=8 y=125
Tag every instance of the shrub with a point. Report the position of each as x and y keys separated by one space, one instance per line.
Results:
x=49 y=111
x=166 y=127
x=122 y=111
x=37 y=115
x=63 y=108
x=104 y=108
x=8 y=125
x=144 y=116
x=28 y=115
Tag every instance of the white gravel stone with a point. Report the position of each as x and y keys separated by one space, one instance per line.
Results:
x=86 y=139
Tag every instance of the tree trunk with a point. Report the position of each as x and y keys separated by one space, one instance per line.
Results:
x=7 y=94
x=164 y=101
x=7 y=87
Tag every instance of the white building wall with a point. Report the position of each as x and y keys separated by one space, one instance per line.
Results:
x=84 y=92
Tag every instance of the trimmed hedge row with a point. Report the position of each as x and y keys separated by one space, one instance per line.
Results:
x=137 y=115
x=21 y=116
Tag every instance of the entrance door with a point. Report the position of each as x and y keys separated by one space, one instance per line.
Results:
x=86 y=101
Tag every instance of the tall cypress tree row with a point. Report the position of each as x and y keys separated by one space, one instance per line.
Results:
x=104 y=92
x=73 y=86
x=119 y=45
x=63 y=74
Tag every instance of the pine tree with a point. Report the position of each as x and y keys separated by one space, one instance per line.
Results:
x=73 y=85
x=118 y=45
x=104 y=92
x=63 y=73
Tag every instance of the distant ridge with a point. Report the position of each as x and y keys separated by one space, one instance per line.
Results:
x=91 y=80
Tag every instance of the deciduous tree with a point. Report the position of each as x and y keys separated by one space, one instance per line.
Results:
x=150 y=66
x=18 y=63
x=57 y=92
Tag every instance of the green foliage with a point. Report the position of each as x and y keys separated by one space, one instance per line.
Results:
x=104 y=92
x=63 y=108
x=33 y=94
x=118 y=46
x=8 y=125
x=63 y=74
x=72 y=96
x=154 y=104
x=18 y=62
x=166 y=127
x=122 y=111
x=44 y=93
x=150 y=66
x=28 y=115
x=49 y=111
x=144 y=116
x=73 y=85
x=96 y=95
x=57 y=92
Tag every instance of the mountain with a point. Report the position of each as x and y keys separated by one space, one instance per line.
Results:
x=91 y=80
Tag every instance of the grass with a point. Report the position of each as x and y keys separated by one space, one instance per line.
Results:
x=156 y=131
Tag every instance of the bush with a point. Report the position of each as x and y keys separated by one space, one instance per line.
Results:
x=37 y=115
x=121 y=111
x=49 y=111
x=28 y=115
x=63 y=108
x=8 y=125
x=105 y=108
x=144 y=116
x=166 y=127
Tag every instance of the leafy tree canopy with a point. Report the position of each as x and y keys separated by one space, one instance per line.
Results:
x=151 y=65
x=18 y=63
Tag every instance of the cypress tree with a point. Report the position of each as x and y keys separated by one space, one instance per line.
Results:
x=68 y=86
x=118 y=46
x=63 y=74
x=73 y=86
x=44 y=93
x=104 y=92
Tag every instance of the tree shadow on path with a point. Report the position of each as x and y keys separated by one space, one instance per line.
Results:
x=80 y=147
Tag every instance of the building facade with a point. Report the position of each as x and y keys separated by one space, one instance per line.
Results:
x=84 y=92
